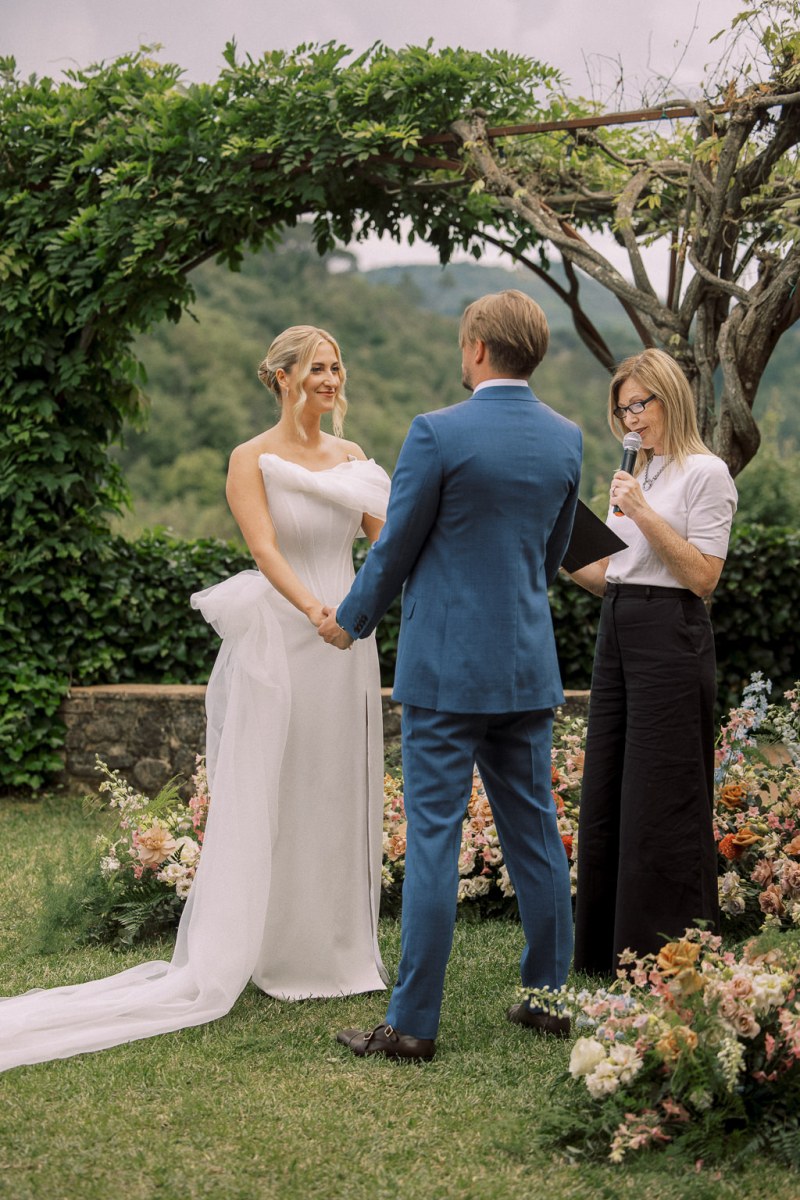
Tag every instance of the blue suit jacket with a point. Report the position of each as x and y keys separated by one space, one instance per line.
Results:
x=480 y=513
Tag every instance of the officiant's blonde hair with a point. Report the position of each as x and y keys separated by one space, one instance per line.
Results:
x=296 y=346
x=660 y=375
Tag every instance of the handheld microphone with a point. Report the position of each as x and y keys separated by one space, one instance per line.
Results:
x=631 y=445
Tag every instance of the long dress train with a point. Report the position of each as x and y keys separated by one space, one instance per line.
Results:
x=288 y=885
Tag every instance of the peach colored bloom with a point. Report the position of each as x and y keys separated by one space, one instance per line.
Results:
x=672 y=1044
x=479 y=806
x=794 y=847
x=746 y=1025
x=771 y=900
x=762 y=872
x=153 y=845
x=741 y=986
x=396 y=846
x=790 y=880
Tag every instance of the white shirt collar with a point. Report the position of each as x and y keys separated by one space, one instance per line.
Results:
x=501 y=383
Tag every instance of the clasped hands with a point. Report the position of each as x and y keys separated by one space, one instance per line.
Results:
x=332 y=633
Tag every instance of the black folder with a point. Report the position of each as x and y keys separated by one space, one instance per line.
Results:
x=591 y=539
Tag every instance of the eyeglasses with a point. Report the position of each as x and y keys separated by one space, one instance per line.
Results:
x=638 y=406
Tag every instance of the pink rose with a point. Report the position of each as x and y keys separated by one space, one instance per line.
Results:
x=790 y=880
x=762 y=872
x=771 y=901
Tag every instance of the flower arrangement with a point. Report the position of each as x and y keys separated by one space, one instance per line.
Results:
x=484 y=885
x=695 y=1048
x=147 y=863
x=140 y=872
x=160 y=838
x=757 y=812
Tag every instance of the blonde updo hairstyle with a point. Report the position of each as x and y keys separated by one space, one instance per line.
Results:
x=296 y=346
x=659 y=375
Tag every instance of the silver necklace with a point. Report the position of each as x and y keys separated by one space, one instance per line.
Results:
x=648 y=482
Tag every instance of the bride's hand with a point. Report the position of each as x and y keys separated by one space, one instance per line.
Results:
x=317 y=614
x=332 y=633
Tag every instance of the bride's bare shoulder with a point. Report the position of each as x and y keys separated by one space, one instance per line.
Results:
x=352 y=449
x=253 y=448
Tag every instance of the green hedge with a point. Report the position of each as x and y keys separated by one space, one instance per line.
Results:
x=138 y=626
x=129 y=621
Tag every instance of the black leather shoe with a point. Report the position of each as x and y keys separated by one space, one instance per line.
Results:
x=385 y=1040
x=520 y=1014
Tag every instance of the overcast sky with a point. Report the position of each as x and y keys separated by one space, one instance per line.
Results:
x=586 y=39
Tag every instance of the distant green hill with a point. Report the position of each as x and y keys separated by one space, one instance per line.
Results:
x=448 y=290
x=398 y=328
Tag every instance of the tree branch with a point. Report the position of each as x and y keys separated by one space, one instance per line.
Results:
x=584 y=327
x=483 y=165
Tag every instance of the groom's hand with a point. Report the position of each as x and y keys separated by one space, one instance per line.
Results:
x=333 y=634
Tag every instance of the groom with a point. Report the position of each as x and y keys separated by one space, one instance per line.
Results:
x=481 y=508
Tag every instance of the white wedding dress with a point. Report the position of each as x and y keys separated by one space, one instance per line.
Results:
x=288 y=886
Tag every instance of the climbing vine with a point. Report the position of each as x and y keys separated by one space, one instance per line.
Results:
x=120 y=179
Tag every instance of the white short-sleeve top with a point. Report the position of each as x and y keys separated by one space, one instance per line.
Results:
x=697 y=498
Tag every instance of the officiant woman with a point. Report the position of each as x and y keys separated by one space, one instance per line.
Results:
x=647 y=860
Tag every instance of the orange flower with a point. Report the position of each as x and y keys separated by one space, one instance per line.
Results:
x=727 y=848
x=673 y=1043
x=732 y=796
x=745 y=837
x=566 y=838
x=733 y=845
x=794 y=847
x=677 y=960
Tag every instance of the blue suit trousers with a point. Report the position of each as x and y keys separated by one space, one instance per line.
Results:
x=512 y=752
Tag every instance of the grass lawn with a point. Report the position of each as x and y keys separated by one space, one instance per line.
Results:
x=264 y=1103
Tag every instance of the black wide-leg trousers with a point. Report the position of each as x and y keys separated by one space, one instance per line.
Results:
x=647 y=860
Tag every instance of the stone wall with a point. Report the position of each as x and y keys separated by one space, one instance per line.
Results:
x=151 y=733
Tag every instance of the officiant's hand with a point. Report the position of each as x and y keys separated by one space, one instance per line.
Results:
x=333 y=634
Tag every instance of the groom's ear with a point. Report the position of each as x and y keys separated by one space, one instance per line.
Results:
x=480 y=352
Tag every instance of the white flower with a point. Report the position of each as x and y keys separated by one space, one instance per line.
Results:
x=109 y=865
x=701 y=1099
x=184 y=886
x=469 y=888
x=466 y=860
x=172 y=873
x=188 y=851
x=586 y=1054
x=730 y=1057
x=507 y=887
x=769 y=990
x=626 y=1061
x=602 y=1081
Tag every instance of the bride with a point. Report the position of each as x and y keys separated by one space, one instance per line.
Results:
x=288 y=886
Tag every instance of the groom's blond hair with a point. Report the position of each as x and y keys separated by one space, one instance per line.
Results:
x=514 y=329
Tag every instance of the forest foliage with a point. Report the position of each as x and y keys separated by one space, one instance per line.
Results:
x=398 y=328
x=118 y=182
